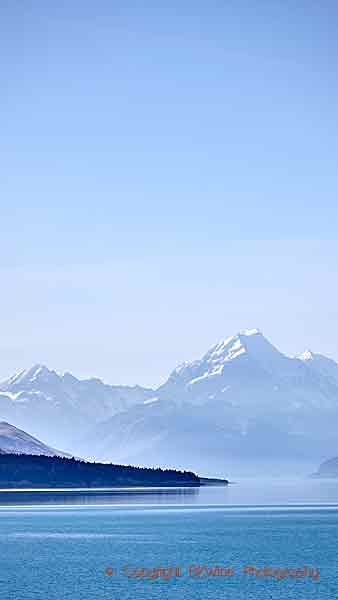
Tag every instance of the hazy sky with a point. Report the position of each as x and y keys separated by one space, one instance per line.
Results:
x=169 y=176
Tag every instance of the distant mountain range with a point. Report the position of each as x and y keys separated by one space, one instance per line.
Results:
x=16 y=441
x=62 y=407
x=242 y=402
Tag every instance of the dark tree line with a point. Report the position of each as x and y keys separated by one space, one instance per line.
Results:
x=24 y=470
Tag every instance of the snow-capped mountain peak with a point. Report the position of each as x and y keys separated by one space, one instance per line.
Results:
x=234 y=346
x=250 y=341
x=40 y=400
x=321 y=364
x=250 y=332
x=242 y=400
x=27 y=376
x=248 y=344
x=307 y=355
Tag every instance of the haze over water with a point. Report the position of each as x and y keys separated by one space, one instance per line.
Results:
x=248 y=492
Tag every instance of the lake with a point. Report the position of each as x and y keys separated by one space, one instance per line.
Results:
x=256 y=539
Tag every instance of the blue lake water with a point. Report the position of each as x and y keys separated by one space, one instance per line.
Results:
x=59 y=545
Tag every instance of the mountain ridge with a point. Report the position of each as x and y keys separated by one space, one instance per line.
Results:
x=243 y=399
x=39 y=399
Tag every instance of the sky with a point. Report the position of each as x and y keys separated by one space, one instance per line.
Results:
x=168 y=177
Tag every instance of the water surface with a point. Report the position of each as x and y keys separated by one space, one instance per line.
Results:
x=61 y=548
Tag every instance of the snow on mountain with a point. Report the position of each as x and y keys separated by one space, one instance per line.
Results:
x=16 y=441
x=248 y=344
x=242 y=400
x=29 y=376
x=321 y=364
x=247 y=358
x=61 y=407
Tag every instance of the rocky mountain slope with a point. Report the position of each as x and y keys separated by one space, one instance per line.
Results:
x=16 y=441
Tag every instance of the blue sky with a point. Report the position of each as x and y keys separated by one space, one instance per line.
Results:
x=169 y=176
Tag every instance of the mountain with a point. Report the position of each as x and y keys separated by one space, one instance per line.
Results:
x=243 y=402
x=16 y=441
x=323 y=365
x=328 y=468
x=62 y=407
